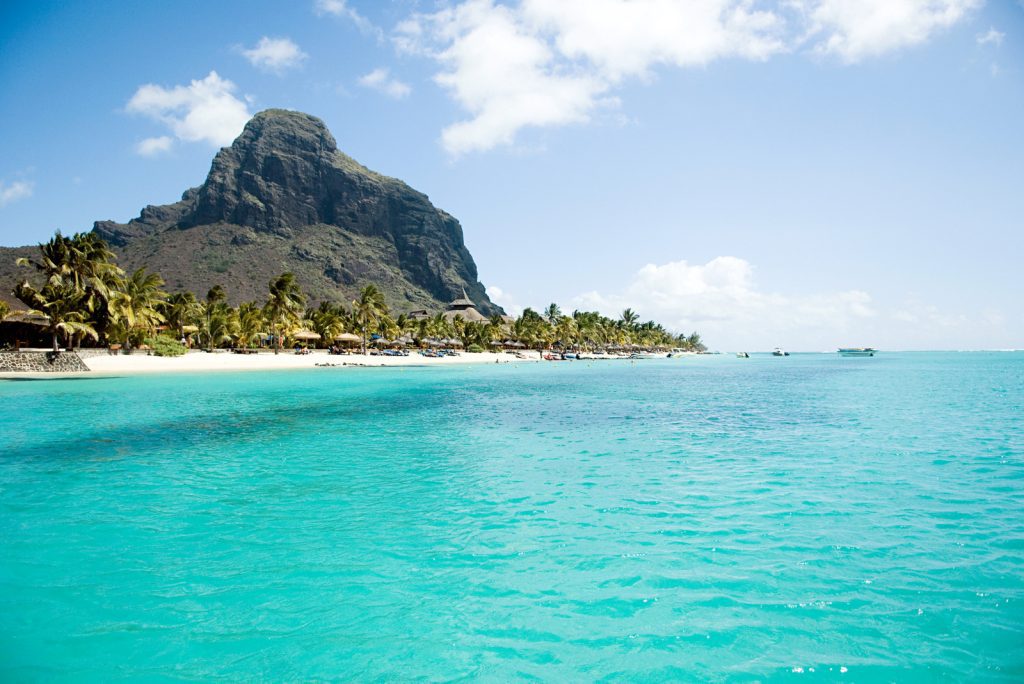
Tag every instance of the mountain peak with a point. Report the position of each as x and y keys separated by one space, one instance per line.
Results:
x=282 y=197
x=283 y=171
x=284 y=129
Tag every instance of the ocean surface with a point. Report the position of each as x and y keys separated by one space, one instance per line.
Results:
x=695 y=519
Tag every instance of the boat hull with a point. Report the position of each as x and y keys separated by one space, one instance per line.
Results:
x=857 y=352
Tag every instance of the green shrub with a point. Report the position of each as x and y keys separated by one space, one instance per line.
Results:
x=475 y=348
x=164 y=345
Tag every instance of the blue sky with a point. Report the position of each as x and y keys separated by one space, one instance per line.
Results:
x=806 y=173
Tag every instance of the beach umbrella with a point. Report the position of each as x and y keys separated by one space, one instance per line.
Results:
x=496 y=343
x=452 y=342
x=348 y=337
x=433 y=342
x=380 y=341
x=305 y=335
x=405 y=339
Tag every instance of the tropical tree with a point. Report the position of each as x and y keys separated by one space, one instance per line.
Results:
x=62 y=304
x=82 y=268
x=215 y=325
x=496 y=328
x=552 y=314
x=284 y=306
x=567 y=331
x=181 y=309
x=136 y=306
x=368 y=310
x=328 y=320
x=532 y=330
x=250 y=323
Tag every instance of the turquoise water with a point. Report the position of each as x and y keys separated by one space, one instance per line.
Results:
x=703 y=519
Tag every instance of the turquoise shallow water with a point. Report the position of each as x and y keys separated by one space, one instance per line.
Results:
x=698 y=519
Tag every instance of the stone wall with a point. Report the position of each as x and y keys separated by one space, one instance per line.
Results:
x=40 y=362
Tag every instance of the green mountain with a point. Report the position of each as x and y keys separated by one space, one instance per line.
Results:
x=284 y=198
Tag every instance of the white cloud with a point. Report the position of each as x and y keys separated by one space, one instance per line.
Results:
x=14 y=191
x=382 y=81
x=721 y=300
x=276 y=55
x=340 y=8
x=537 y=63
x=150 y=147
x=993 y=37
x=505 y=300
x=724 y=303
x=504 y=76
x=622 y=39
x=205 y=110
x=855 y=30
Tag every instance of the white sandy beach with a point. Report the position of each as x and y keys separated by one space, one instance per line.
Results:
x=198 y=361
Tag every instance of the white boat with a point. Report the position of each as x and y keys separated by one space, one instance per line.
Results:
x=857 y=351
x=778 y=352
x=742 y=355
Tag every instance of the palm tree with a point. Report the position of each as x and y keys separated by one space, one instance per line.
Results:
x=496 y=328
x=368 y=310
x=567 y=331
x=216 y=313
x=328 y=320
x=60 y=301
x=629 y=318
x=136 y=306
x=553 y=313
x=531 y=329
x=181 y=309
x=80 y=267
x=250 y=323
x=284 y=304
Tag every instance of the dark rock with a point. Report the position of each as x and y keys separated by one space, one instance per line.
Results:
x=283 y=198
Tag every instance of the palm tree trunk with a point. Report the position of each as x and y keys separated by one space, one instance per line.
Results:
x=56 y=347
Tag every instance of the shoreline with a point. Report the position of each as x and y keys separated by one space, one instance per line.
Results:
x=224 y=361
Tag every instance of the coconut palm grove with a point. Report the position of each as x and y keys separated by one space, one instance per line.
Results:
x=75 y=293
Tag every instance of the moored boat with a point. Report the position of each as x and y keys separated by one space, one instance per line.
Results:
x=779 y=352
x=857 y=351
x=742 y=355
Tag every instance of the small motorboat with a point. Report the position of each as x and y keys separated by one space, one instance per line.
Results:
x=742 y=355
x=779 y=352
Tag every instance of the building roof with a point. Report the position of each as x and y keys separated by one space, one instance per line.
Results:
x=467 y=314
x=463 y=302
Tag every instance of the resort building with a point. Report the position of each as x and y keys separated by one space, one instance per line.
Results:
x=464 y=307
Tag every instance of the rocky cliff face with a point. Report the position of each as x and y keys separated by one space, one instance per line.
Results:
x=283 y=198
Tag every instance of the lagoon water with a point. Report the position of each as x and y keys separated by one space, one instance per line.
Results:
x=695 y=519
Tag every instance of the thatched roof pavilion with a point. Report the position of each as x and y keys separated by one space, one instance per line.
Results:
x=464 y=307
